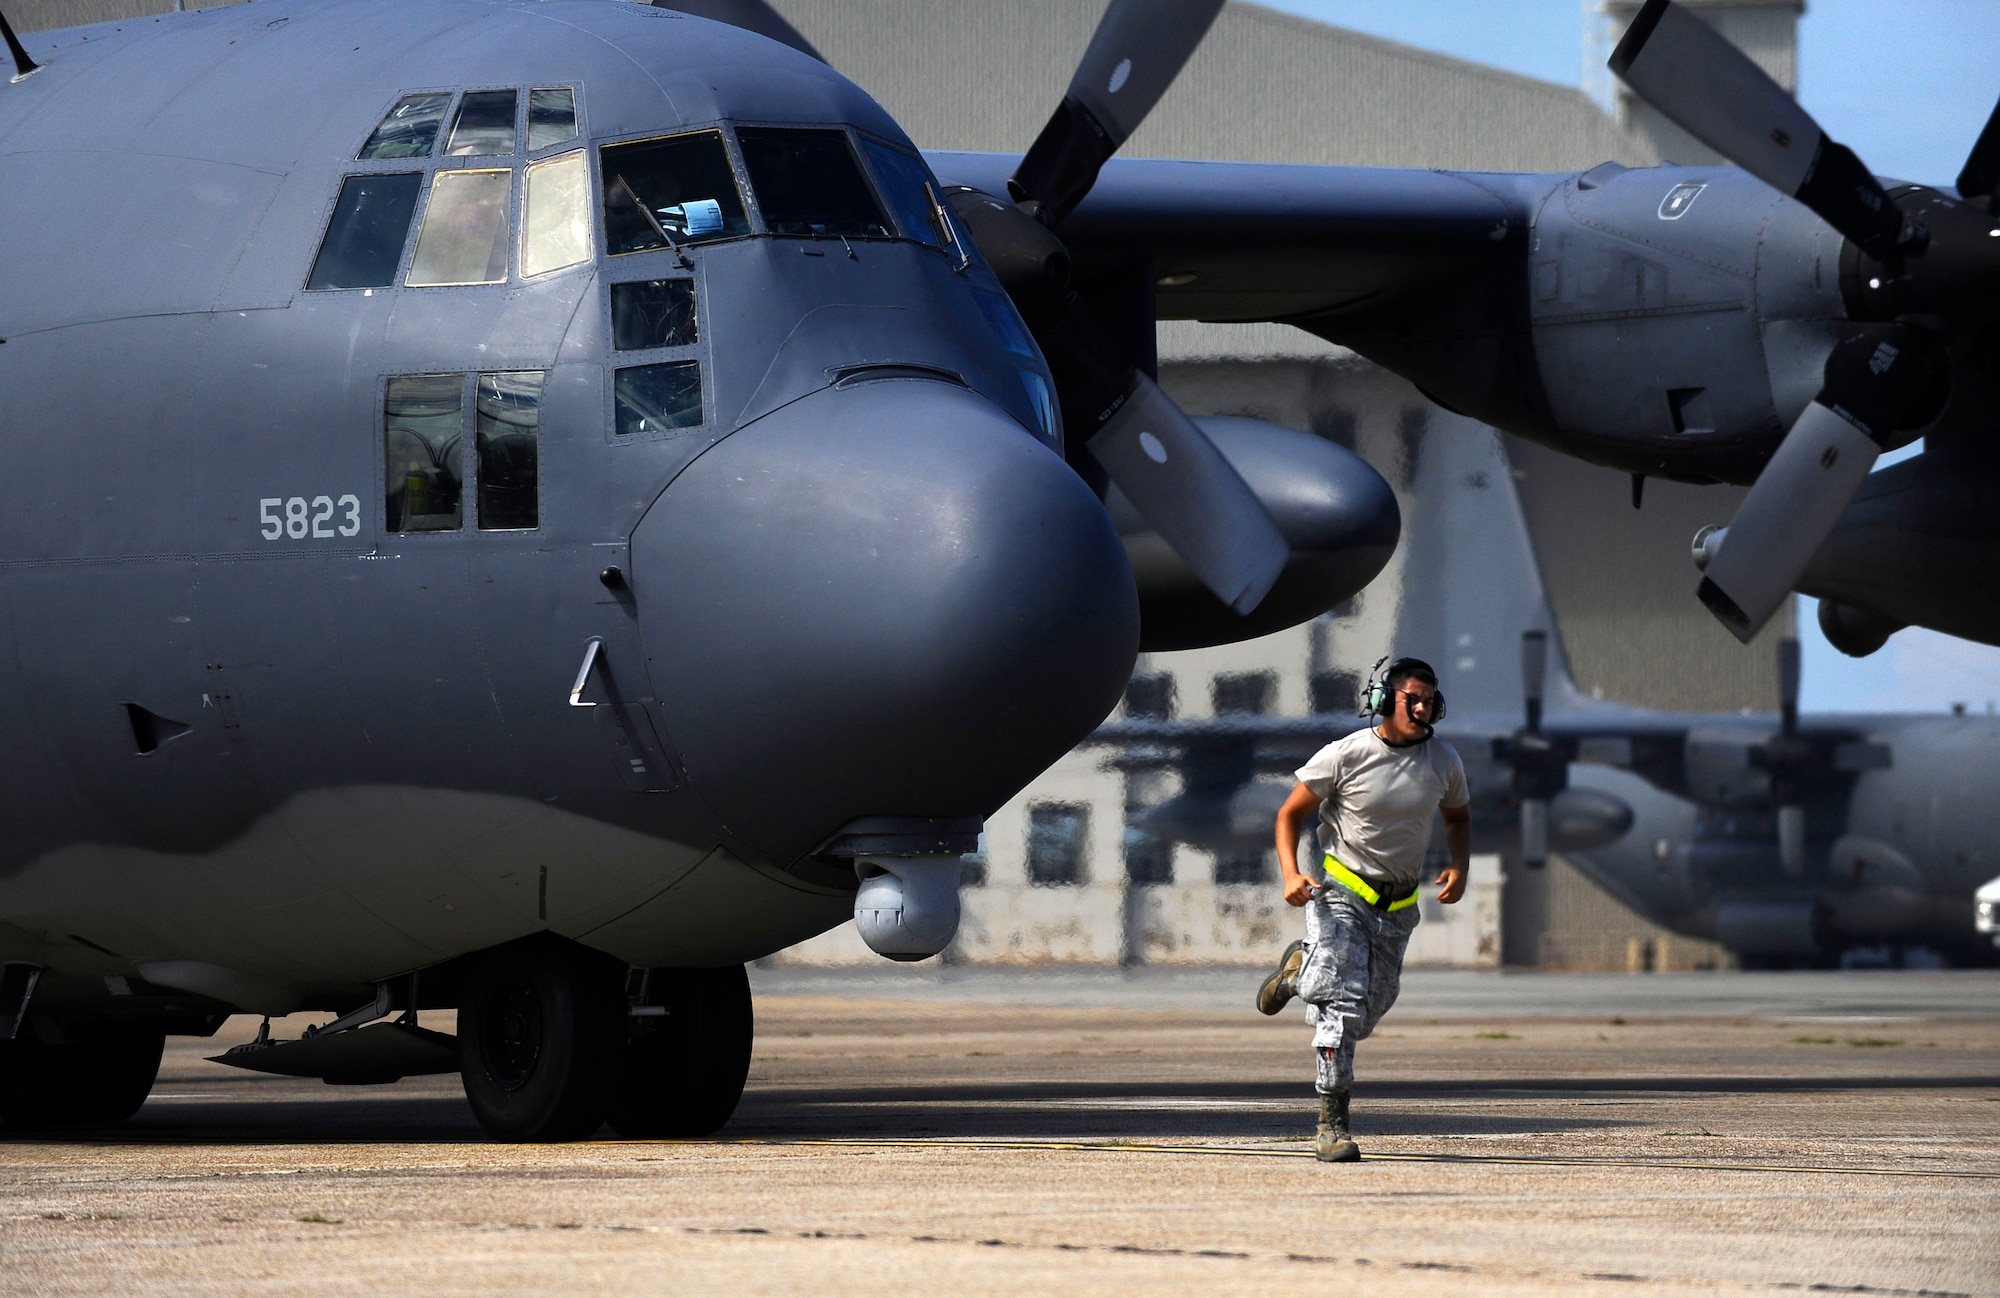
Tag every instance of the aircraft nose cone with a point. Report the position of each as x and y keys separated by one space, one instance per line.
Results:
x=881 y=600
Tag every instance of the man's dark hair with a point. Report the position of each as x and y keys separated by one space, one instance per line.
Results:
x=1405 y=670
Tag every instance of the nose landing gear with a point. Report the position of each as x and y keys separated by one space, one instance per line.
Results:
x=550 y=1047
x=88 y=1074
x=683 y=1069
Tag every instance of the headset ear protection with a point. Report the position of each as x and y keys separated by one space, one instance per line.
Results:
x=1379 y=700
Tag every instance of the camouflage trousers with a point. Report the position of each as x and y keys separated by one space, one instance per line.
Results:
x=1352 y=972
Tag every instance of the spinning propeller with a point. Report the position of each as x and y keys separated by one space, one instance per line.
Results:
x=1540 y=765
x=1119 y=424
x=1789 y=759
x=1922 y=268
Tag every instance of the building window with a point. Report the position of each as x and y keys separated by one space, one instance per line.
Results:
x=1058 y=833
x=1147 y=859
x=1244 y=867
x=1150 y=697
x=1244 y=692
x=972 y=866
x=1335 y=692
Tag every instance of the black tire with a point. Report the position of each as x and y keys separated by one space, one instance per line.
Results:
x=538 y=1041
x=682 y=1073
x=97 y=1073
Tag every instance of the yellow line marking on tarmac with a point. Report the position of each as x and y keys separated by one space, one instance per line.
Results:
x=1235 y=1151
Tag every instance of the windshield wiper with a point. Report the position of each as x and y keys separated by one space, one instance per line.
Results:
x=680 y=255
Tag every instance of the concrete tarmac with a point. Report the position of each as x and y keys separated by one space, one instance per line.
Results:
x=971 y=1132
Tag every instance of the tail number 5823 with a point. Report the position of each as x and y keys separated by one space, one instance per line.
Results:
x=299 y=518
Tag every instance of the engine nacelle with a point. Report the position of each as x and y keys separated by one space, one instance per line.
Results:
x=1667 y=321
x=1338 y=514
x=1919 y=546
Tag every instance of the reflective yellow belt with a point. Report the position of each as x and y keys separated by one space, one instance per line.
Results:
x=1361 y=888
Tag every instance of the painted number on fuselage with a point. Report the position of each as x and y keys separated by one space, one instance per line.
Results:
x=297 y=518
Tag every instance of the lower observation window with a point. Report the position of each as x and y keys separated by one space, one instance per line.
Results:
x=658 y=398
x=423 y=434
x=652 y=313
x=509 y=419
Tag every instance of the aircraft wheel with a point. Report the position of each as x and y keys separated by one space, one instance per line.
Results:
x=100 y=1073
x=682 y=1073
x=537 y=1041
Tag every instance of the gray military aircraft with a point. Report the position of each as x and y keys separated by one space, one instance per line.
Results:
x=526 y=506
x=1788 y=839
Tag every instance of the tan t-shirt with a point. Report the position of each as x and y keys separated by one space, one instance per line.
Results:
x=1379 y=801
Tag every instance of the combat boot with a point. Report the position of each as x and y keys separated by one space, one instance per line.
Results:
x=1335 y=1145
x=1283 y=984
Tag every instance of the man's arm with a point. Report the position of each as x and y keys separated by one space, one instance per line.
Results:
x=1302 y=803
x=1458 y=840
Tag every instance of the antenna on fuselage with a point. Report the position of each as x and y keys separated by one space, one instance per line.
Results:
x=24 y=67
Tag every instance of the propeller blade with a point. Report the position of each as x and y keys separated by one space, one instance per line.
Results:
x=1534 y=833
x=1980 y=177
x=1534 y=673
x=1788 y=686
x=1875 y=377
x=1193 y=497
x=24 y=67
x=1710 y=89
x=750 y=15
x=1139 y=48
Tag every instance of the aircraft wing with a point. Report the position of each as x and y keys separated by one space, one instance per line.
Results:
x=1271 y=241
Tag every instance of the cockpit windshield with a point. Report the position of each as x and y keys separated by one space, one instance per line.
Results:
x=809 y=183
x=908 y=185
x=677 y=190
x=410 y=129
x=485 y=124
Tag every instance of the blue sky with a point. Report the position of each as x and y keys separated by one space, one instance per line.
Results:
x=1907 y=84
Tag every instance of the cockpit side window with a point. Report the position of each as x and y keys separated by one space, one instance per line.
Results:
x=364 y=240
x=551 y=117
x=653 y=313
x=678 y=189
x=410 y=130
x=908 y=185
x=808 y=183
x=485 y=124
x=423 y=434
